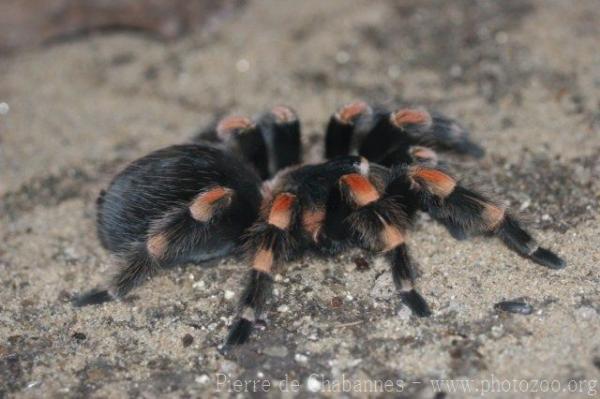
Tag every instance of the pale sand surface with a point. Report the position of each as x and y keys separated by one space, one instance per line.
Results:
x=525 y=78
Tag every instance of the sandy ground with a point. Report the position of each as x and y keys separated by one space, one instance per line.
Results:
x=524 y=76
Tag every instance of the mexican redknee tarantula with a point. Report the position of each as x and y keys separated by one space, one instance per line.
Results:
x=201 y=201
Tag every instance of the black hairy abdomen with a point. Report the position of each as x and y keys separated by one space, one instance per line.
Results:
x=170 y=179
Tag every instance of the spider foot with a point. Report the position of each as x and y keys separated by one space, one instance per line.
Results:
x=238 y=334
x=92 y=297
x=547 y=258
x=416 y=303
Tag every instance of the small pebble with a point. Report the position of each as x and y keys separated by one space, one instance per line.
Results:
x=229 y=295
x=586 y=312
x=79 y=336
x=64 y=296
x=361 y=263
x=202 y=379
x=312 y=384
x=276 y=351
x=456 y=71
x=404 y=313
x=4 y=108
x=501 y=37
x=384 y=288
x=342 y=57
x=300 y=358
x=525 y=205
x=283 y=308
x=394 y=71
x=33 y=384
x=187 y=340
x=514 y=307
x=260 y=325
x=497 y=331
x=336 y=302
x=243 y=65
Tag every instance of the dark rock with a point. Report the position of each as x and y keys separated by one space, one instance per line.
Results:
x=187 y=340
x=337 y=302
x=361 y=263
x=516 y=306
x=79 y=336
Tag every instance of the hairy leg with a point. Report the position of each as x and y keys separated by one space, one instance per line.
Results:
x=381 y=226
x=472 y=213
x=269 y=241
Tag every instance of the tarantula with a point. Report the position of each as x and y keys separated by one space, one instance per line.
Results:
x=206 y=200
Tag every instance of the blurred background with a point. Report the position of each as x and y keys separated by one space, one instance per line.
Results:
x=86 y=86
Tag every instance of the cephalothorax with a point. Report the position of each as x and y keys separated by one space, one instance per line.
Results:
x=242 y=188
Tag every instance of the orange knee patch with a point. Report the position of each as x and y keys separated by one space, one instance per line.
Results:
x=408 y=116
x=231 y=124
x=361 y=189
x=423 y=154
x=283 y=114
x=280 y=214
x=492 y=215
x=434 y=180
x=157 y=245
x=391 y=237
x=349 y=112
x=205 y=204
x=263 y=260
x=312 y=220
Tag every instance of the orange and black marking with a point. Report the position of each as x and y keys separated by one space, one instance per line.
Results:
x=359 y=187
x=280 y=218
x=263 y=260
x=233 y=124
x=207 y=203
x=312 y=222
x=157 y=245
x=391 y=237
x=423 y=154
x=284 y=114
x=410 y=116
x=281 y=211
x=433 y=180
x=350 y=112
x=492 y=215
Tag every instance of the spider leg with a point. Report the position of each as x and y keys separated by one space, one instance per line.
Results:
x=183 y=234
x=403 y=273
x=472 y=213
x=269 y=241
x=393 y=134
x=244 y=137
x=381 y=226
x=269 y=143
x=423 y=155
x=280 y=128
x=448 y=134
x=340 y=129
